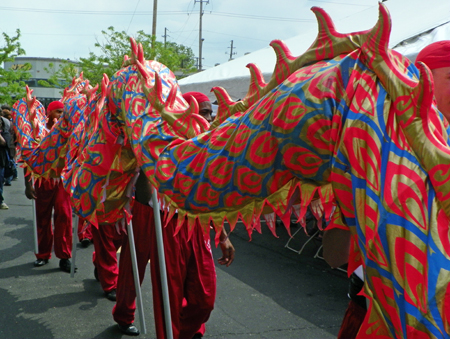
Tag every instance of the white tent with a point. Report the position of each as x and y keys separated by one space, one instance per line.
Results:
x=415 y=24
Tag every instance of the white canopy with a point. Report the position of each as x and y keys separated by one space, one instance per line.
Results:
x=415 y=24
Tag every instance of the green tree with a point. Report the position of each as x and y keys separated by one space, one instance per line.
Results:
x=12 y=81
x=116 y=45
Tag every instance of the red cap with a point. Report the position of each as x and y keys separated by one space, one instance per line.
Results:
x=435 y=55
x=200 y=97
x=54 y=105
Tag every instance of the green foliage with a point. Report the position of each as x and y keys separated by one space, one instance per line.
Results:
x=12 y=85
x=117 y=44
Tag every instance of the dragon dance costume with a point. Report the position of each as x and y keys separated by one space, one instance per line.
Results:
x=349 y=122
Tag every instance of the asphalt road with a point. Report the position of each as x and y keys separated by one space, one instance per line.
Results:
x=268 y=292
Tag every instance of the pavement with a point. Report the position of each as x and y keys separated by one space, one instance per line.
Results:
x=268 y=292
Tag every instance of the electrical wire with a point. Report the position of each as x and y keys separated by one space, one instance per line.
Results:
x=133 y=15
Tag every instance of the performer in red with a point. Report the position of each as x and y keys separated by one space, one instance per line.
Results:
x=51 y=196
x=106 y=241
x=190 y=271
x=204 y=104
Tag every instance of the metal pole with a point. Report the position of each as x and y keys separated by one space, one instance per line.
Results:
x=162 y=264
x=155 y=14
x=200 y=40
x=137 y=282
x=74 y=245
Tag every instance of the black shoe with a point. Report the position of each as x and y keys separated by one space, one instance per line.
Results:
x=96 y=274
x=128 y=329
x=65 y=265
x=7 y=184
x=197 y=336
x=111 y=295
x=40 y=262
x=85 y=242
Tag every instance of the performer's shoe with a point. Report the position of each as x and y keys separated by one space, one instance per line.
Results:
x=85 y=242
x=111 y=295
x=40 y=262
x=128 y=329
x=65 y=265
x=3 y=206
x=197 y=336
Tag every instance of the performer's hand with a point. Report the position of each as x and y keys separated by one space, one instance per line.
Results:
x=30 y=192
x=227 y=252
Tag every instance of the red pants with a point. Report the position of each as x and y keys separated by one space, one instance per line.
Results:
x=84 y=230
x=51 y=196
x=190 y=273
x=106 y=243
x=354 y=317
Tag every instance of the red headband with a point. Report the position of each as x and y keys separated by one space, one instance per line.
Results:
x=435 y=55
x=54 y=105
x=200 y=97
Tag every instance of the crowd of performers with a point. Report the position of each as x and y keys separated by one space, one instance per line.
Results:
x=189 y=261
x=190 y=266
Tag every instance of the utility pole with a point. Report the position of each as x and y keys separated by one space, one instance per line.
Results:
x=165 y=36
x=155 y=13
x=231 y=51
x=200 y=39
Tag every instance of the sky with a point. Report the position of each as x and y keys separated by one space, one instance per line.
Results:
x=69 y=29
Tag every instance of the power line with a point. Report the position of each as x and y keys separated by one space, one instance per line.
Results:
x=133 y=15
x=259 y=17
x=147 y=13
x=80 y=12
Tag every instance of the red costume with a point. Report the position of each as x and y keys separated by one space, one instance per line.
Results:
x=190 y=273
x=106 y=243
x=51 y=195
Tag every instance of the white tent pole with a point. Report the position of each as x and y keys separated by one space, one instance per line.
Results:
x=74 y=245
x=35 y=234
x=137 y=284
x=162 y=265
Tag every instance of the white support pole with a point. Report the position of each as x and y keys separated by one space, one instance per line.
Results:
x=162 y=264
x=36 y=244
x=74 y=245
x=137 y=283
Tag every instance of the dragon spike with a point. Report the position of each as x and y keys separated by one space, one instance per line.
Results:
x=29 y=93
x=157 y=89
x=379 y=57
x=202 y=124
x=257 y=85
x=153 y=94
x=105 y=84
x=171 y=98
x=285 y=61
x=226 y=106
x=141 y=57
x=134 y=50
x=424 y=93
x=126 y=61
x=89 y=91
x=143 y=71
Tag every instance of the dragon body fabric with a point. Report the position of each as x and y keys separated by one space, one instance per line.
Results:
x=349 y=123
